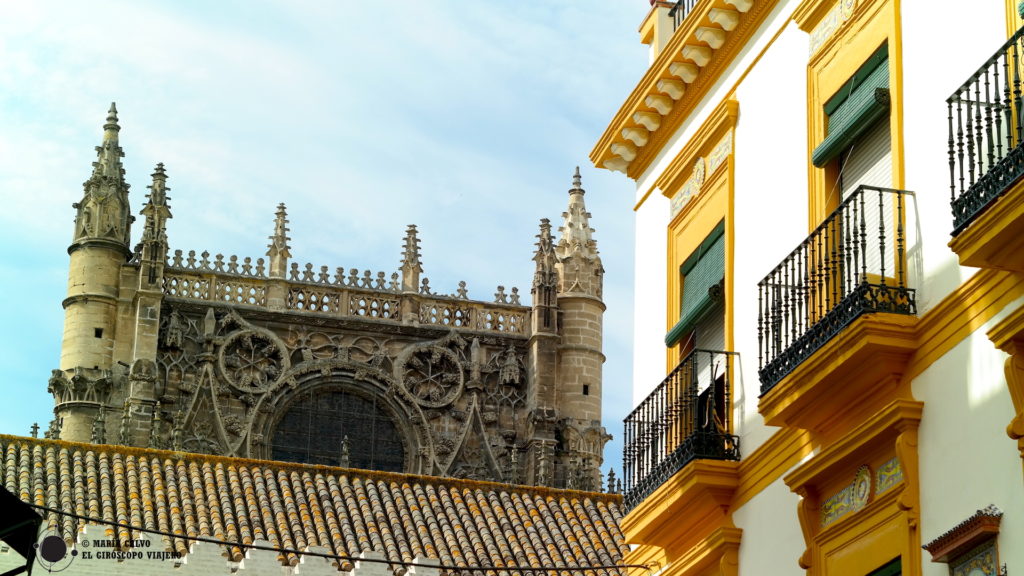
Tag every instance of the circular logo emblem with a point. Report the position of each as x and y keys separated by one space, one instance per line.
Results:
x=698 y=172
x=861 y=488
x=52 y=553
x=847 y=7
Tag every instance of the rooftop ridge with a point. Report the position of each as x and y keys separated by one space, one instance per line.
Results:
x=354 y=473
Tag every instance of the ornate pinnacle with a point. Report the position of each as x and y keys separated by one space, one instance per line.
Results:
x=577 y=235
x=411 y=250
x=411 y=267
x=278 y=249
x=158 y=189
x=545 y=242
x=103 y=211
x=111 y=128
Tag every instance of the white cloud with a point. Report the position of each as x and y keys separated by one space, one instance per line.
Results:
x=464 y=118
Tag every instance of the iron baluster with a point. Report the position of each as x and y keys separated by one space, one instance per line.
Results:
x=988 y=122
x=998 y=138
x=899 y=241
x=960 y=141
x=977 y=130
x=863 y=240
x=952 y=158
x=1016 y=86
x=881 y=234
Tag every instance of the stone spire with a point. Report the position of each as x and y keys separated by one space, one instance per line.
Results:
x=545 y=280
x=577 y=250
x=577 y=235
x=411 y=267
x=103 y=212
x=278 y=249
x=154 y=233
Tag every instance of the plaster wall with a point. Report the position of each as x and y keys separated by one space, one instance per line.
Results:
x=966 y=460
x=942 y=47
x=772 y=540
x=770 y=203
x=650 y=294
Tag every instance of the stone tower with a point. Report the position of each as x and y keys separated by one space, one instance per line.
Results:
x=99 y=247
x=565 y=350
x=273 y=359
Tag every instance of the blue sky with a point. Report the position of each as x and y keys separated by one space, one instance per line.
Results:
x=465 y=118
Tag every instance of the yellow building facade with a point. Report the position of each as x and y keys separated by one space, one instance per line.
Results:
x=828 y=369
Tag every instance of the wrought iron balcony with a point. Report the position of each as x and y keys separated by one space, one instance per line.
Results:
x=688 y=416
x=680 y=11
x=985 y=153
x=852 y=264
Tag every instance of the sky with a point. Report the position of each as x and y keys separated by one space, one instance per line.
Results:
x=465 y=118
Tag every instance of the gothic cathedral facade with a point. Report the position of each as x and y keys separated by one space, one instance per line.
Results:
x=266 y=359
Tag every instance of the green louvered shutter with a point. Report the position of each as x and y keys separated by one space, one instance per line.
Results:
x=700 y=274
x=855 y=108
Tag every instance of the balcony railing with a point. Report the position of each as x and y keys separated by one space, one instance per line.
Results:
x=852 y=264
x=680 y=11
x=985 y=153
x=688 y=416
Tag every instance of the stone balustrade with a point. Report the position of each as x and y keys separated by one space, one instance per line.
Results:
x=351 y=294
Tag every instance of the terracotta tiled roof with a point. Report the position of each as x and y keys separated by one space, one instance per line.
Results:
x=459 y=522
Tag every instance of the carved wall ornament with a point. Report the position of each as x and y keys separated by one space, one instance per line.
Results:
x=510 y=368
x=252 y=360
x=431 y=372
x=851 y=498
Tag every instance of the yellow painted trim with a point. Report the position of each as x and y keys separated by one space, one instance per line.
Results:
x=845 y=451
x=892 y=430
x=686 y=524
x=711 y=205
x=994 y=239
x=722 y=119
x=854 y=374
x=872 y=24
x=720 y=61
x=770 y=461
x=685 y=233
x=810 y=12
x=643 y=198
x=1008 y=336
x=1013 y=19
x=960 y=313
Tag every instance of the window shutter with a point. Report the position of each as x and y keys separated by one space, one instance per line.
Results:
x=702 y=274
x=855 y=108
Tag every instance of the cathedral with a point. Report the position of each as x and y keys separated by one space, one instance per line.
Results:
x=267 y=358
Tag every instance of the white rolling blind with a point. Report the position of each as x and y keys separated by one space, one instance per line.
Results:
x=709 y=334
x=868 y=161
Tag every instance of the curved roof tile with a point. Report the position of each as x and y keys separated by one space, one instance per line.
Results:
x=347 y=512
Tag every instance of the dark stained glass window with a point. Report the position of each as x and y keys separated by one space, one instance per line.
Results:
x=315 y=424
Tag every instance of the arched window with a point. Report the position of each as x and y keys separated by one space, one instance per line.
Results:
x=316 y=422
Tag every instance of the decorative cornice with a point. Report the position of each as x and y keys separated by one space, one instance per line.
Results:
x=882 y=427
x=701 y=49
x=983 y=525
x=722 y=119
